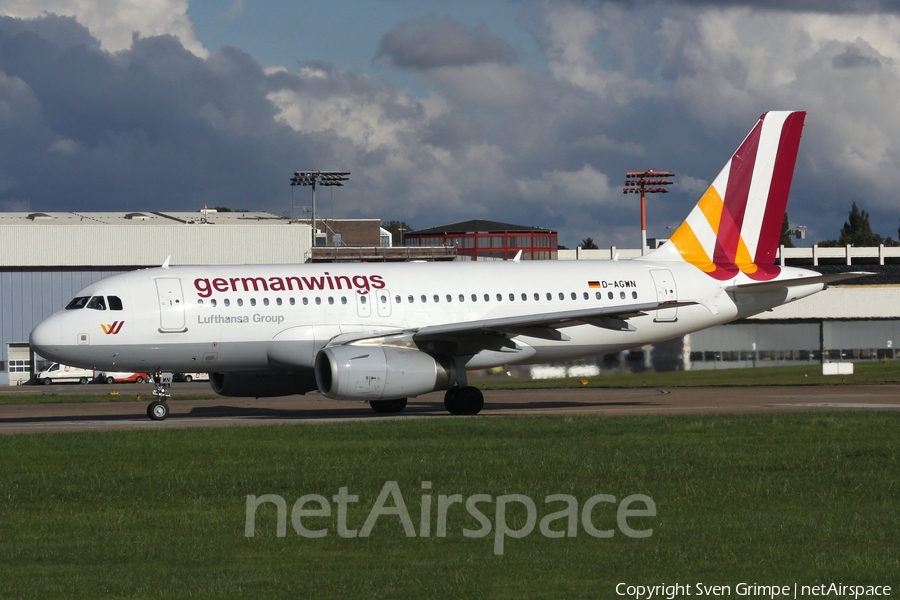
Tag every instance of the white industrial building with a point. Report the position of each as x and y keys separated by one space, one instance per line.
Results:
x=45 y=258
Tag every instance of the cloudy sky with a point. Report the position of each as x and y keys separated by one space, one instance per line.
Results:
x=524 y=111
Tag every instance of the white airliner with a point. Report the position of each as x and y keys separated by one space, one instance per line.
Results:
x=386 y=332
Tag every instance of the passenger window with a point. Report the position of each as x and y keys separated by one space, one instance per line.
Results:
x=549 y=296
x=487 y=297
x=266 y=302
x=227 y=302
x=537 y=296
x=562 y=296
x=610 y=295
x=598 y=295
x=278 y=301
x=397 y=299
x=411 y=299
x=200 y=302
x=343 y=299
x=318 y=301
x=587 y=296
x=449 y=298
x=115 y=303
x=77 y=303
x=512 y=297
x=240 y=301
x=331 y=300
x=634 y=295
x=524 y=297
x=474 y=297
x=424 y=299
x=462 y=297
x=622 y=295
x=384 y=298
x=252 y=301
x=213 y=302
x=97 y=303
x=574 y=296
x=499 y=297
x=437 y=298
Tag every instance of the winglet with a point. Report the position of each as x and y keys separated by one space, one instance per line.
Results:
x=165 y=264
x=518 y=256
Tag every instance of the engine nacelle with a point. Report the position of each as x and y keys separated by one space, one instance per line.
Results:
x=379 y=372
x=262 y=385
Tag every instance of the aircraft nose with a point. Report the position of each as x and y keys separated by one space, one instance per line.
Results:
x=46 y=338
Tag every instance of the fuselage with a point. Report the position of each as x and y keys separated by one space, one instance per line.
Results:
x=277 y=317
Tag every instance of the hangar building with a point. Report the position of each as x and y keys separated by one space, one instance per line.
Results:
x=46 y=258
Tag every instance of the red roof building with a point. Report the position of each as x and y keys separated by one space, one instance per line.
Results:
x=488 y=240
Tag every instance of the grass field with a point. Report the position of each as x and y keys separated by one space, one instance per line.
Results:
x=807 y=498
x=809 y=374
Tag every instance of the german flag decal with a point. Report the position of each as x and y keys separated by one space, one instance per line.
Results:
x=593 y=284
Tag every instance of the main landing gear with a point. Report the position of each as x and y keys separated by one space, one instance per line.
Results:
x=158 y=410
x=463 y=400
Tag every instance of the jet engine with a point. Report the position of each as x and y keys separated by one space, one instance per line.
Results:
x=379 y=372
x=262 y=385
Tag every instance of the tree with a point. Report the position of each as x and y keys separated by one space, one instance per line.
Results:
x=394 y=227
x=588 y=244
x=787 y=240
x=857 y=231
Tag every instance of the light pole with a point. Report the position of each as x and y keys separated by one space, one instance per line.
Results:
x=646 y=182
x=323 y=178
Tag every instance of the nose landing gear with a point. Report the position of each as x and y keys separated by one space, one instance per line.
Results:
x=158 y=410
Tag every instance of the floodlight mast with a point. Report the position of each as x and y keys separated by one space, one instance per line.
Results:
x=646 y=182
x=323 y=178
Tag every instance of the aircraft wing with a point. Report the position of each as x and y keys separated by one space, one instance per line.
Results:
x=469 y=337
x=768 y=286
x=547 y=325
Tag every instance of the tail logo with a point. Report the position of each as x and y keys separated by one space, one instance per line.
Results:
x=736 y=225
x=113 y=329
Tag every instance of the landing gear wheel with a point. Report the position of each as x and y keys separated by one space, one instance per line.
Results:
x=388 y=406
x=465 y=400
x=157 y=410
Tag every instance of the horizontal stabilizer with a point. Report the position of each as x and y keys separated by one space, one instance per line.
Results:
x=768 y=286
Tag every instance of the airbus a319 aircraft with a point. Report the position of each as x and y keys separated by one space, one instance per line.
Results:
x=386 y=332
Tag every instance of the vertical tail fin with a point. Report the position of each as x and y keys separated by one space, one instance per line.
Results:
x=736 y=225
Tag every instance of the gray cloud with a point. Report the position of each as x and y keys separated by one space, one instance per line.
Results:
x=857 y=55
x=433 y=43
x=156 y=127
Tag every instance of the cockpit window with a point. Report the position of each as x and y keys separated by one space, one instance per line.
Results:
x=115 y=303
x=78 y=302
x=97 y=303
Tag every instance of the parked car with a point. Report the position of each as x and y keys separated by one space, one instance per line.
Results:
x=57 y=373
x=120 y=377
x=189 y=377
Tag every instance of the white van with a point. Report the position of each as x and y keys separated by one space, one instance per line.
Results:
x=57 y=373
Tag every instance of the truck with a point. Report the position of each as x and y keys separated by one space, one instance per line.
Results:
x=57 y=373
